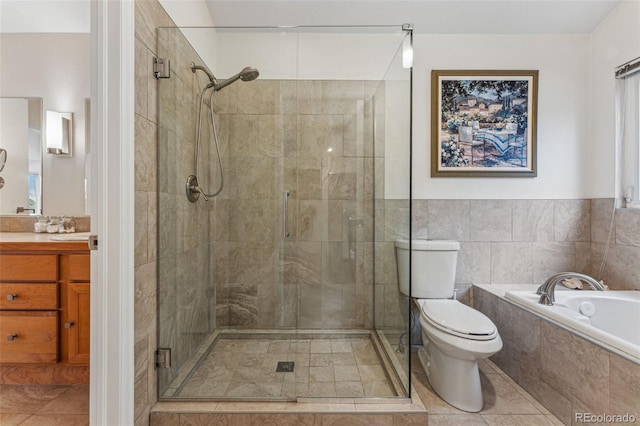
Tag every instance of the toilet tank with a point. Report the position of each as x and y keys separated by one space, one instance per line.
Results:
x=433 y=267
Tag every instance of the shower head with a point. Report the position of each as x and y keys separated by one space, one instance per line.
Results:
x=247 y=74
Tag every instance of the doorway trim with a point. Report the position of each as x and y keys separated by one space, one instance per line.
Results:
x=111 y=209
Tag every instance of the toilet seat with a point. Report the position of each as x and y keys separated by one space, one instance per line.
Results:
x=455 y=318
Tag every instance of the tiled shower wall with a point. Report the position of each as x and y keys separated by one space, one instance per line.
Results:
x=314 y=279
x=314 y=140
x=148 y=16
x=184 y=272
x=391 y=223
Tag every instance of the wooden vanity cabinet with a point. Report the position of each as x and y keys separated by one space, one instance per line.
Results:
x=44 y=313
x=29 y=303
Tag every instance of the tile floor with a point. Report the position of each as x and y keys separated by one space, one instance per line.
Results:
x=236 y=368
x=48 y=405
x=505 y=403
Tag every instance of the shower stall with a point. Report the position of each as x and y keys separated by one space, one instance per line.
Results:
x=281 y=191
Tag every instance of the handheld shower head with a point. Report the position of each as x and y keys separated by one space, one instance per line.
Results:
x=247 y=74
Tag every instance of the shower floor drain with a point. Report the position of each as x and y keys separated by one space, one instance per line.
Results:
x=284 y=367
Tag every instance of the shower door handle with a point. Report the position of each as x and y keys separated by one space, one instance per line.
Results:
x=285 y=224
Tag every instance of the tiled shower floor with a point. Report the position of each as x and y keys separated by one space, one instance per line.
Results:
x=246 y=368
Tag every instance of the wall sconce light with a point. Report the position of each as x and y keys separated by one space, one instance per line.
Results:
x=59 y=133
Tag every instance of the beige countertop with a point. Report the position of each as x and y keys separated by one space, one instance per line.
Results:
x=20 y=241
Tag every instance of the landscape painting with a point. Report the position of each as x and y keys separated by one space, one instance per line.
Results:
x=483 y=123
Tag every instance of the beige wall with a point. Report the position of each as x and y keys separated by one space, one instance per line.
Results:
x=614 y=42
x=54 y=67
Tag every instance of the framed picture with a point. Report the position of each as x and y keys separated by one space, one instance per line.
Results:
x=483 y=123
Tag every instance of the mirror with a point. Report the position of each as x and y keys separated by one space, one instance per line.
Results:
x=21 y=143
x=55 y=68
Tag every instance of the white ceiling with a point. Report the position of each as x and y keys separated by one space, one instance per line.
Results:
x=45 y=16
x=428 y=16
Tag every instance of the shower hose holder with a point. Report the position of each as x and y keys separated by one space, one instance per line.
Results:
x=193 y=189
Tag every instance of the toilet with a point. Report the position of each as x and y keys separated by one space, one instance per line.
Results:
x=454 y=335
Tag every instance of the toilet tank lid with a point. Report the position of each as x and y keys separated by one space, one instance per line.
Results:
x=440 y=245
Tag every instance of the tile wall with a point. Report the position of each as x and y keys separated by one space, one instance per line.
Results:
x=148 y=16
x=526 y=241
x=185 y=274
x=622 y=266
x=391 y=223
x=514 y=242
x=25 y=223
x=312 y=139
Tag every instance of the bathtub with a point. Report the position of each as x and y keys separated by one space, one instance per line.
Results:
x=609 y=319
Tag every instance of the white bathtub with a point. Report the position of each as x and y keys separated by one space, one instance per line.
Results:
x=610 y=319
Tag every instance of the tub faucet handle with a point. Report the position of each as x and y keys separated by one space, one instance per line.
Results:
x=545 y=299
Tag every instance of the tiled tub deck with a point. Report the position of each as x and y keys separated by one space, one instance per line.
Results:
x=567 y=374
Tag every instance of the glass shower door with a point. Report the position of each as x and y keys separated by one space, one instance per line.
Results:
x=392 y=198
x=266 y=291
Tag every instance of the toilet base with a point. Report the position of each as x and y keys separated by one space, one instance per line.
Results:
x=455 y=380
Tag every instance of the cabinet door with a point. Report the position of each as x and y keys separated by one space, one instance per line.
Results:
x=79 y=267
x=76 y=322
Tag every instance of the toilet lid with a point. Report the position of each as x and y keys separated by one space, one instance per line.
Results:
x=458 y=319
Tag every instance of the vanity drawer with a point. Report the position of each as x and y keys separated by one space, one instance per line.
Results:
x=28 y=337
x=28 y=296
x=28 y=267
x=79 y=267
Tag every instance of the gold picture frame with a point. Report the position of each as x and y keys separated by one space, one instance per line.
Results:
x=483 y=123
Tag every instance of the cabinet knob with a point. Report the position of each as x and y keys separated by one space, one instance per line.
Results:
x=12 y=296
x=12 y=337
x=69 y=324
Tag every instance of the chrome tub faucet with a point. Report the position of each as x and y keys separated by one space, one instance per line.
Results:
x=547 y=290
